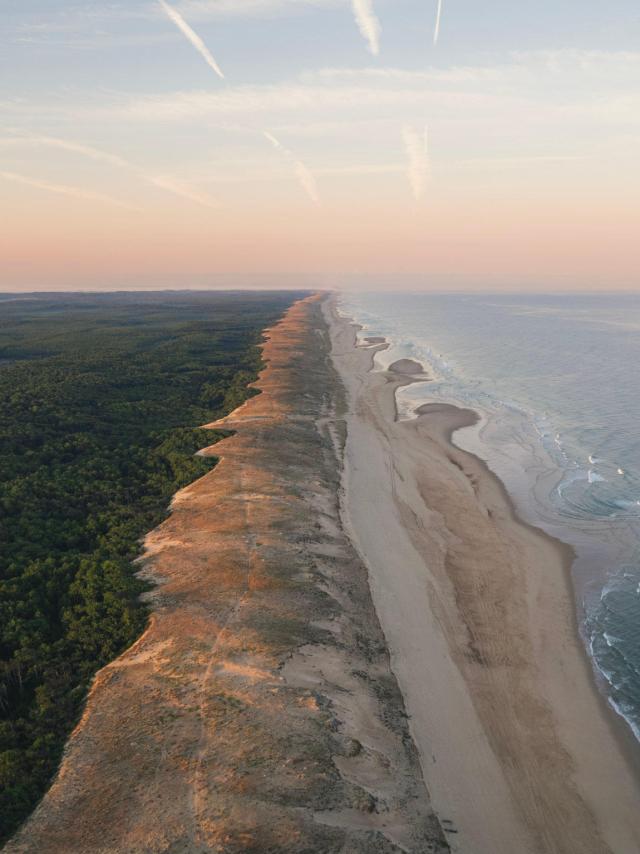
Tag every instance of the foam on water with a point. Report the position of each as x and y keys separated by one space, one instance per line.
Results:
x=559 y=404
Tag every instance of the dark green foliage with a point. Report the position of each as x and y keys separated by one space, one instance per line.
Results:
x=99 y=396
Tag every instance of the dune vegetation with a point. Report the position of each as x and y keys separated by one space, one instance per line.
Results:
x=100 y=399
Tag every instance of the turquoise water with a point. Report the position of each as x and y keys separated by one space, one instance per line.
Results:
x=556 y=381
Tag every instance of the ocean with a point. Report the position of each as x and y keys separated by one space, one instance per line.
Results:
x=556 y=382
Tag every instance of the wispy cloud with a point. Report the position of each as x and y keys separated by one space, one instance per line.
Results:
x=418 y=166
x=192 y=36
x=251 y=101
x=605 y=83
x=169 y=184
x=65 y=190
x=363 y=169
x=254 y=8
x=302 y=172
x=368 y=24
x=436 y=32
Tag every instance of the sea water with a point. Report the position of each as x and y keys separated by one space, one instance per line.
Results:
x=556 y=381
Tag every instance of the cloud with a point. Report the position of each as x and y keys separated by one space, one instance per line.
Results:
x=302 y=172
x=203 y=9
x=65 y=190
x=418 y=168
x=362 y=169
x=436 y=32
x=456 y=74
x=559 y=103
x=253 y=100
x=191 y=36
x=368 y=24
x=163 y=182
x=531 y=85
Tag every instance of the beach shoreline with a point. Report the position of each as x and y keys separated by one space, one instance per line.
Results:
x=355 y=645
x=419 y=373
x=478 y=606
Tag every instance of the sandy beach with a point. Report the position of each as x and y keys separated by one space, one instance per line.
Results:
x=517 y=748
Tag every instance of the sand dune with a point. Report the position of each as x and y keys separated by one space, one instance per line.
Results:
x=258 y=712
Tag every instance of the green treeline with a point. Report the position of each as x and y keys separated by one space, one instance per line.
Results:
x=99 y=396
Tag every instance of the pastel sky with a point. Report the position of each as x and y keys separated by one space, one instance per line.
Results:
x=197 y=143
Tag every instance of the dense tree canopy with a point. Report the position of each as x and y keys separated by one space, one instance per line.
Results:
x=99 y=398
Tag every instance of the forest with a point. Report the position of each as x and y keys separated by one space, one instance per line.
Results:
x=100 y=401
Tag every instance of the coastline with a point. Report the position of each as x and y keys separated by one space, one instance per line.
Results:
x=620 y=726
x=258 y=712
x=516 y=742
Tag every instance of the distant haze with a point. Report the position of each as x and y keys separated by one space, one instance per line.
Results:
x=128 y=161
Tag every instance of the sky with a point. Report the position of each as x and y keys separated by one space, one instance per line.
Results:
x=418 y=144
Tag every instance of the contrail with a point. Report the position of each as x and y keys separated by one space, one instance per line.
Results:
x=179 y=189
x=275 y=142
x=418 y=168
x=66 y=145
x=192 y=36
x=307 y=181
x=303 y=173
x=436 y=32
x=368 y=24
x=65 y=190
x=165 y=183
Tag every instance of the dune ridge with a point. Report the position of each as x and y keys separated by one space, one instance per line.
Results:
x=258 y=712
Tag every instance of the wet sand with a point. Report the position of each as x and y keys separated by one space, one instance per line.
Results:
x=517 y=749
